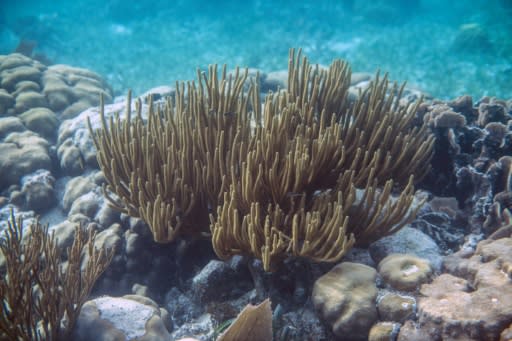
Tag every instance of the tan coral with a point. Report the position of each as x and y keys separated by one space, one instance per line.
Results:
x=405 y=271
x=470 y=302
x=345 y=298
x=27 y=84
x=38 y=290
x=302 y=147
x=294 y=176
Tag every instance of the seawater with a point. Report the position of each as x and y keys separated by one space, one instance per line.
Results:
x=445 y=48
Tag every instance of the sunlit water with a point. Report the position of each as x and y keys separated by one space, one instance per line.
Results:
x=443 y=49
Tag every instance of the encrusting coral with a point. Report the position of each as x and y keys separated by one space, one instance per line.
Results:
x=41 y=295
x=306 y=173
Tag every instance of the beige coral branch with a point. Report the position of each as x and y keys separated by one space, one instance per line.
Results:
x=301 y=174
x=41 y=295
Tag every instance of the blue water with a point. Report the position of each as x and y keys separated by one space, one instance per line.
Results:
x=146 y=43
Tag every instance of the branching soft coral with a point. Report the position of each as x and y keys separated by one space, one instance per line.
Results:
x=41 y=295
x=306 y=173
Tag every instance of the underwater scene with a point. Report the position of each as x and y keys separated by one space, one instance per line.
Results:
x=257 y=170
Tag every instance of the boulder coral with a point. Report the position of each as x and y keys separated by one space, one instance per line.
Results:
x=22 y=153
x=472 y=300
x=64 y=90
x=404 y=271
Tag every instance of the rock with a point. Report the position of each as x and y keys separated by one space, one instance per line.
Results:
x=181 y=308
x=121 y=319
x=189 y=318
x=359 y=255
x=41 y=120
x=213 y=282
x=407 y=240
x=440 y=223
x=405 y=271
x=22 y=153
x=345 y=299
x=38 y=190
x=311 y=327
x=202 y=328
x=141 y=290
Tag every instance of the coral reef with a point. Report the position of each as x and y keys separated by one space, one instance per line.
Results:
x=298 y=175
x=22 y=153
x=405 y=272
x=40 y=97
x=279 y=158
x=64 y=90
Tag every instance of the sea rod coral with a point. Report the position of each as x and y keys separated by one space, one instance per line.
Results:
x=41 y=294
x=304 y=173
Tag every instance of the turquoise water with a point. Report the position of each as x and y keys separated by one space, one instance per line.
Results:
x=441 y=48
